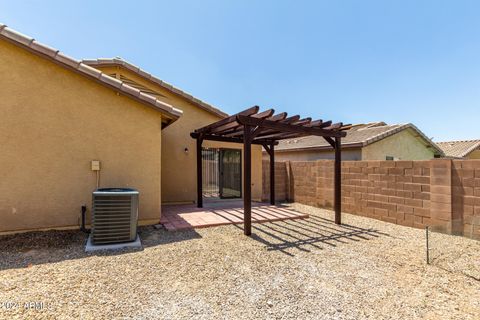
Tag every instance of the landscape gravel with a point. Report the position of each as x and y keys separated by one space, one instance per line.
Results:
x=296 y=269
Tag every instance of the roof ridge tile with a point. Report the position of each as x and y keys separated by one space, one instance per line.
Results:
x=111 y=80
x=90 y=70
x=63 y=58
x=456 y=141
x=153 y=78
x=43 y=48
x=16 y=36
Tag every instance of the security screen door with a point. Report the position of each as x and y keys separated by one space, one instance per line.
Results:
x=222 y=173
x=230 y=173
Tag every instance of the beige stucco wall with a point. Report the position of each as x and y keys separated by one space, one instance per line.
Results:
x=179 y=182
x=312 y=155
x=179 y=171
x=474 y=155
x=403 y=145
x=53 y=122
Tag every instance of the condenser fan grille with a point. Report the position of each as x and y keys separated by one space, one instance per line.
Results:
x=115 y=213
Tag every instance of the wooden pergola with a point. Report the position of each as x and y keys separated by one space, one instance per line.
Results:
x=266 y=129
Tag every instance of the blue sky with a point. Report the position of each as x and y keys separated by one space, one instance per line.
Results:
x=351 y=61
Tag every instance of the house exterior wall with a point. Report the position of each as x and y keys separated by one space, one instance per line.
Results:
x=53 y=122
x=179 y=171
x=312 y=155
x=474 y=155
x=402 y=145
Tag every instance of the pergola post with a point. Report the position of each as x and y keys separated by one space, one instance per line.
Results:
x=199 y=173
x=272 y=174
x=338 y=181
x=247 y=185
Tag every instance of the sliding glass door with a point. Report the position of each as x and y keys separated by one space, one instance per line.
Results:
x=222 y=173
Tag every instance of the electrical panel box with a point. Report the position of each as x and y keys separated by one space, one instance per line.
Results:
x=95 y=165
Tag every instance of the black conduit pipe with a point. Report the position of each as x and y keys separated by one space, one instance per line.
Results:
x=84 y=215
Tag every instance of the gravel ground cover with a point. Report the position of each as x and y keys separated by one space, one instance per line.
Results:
x=297 y=269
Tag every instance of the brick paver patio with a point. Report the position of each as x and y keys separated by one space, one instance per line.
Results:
x=178 y=217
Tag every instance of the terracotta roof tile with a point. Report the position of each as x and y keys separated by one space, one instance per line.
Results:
x=43 y=48
x=131 y=90
x=110 y=80
x=144 y=74
x=63 y=58
x=459 y=149
x=16 y=36
x=85 y=69
x=89 y=70
x=147 y=97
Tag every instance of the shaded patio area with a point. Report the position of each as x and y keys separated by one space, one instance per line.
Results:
x=251 y=127
x=180 y=217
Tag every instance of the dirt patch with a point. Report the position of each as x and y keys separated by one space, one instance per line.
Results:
x=307 y=269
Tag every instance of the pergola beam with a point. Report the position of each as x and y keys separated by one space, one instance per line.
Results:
x=292 y=119
x=226 y=127
x=289 y=128
x=335 y=126
x=280 y=135
x=330 y=141
x=195 y=135
x=315 y=123
x=245 y=112
x=235 y=129
x=265 y=114
x=326 y=124
x=289 y=120
x=278 y=117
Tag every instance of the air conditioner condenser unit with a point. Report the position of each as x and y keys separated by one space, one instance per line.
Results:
x=114 y=215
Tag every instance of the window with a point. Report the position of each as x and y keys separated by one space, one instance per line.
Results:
x=389 y=158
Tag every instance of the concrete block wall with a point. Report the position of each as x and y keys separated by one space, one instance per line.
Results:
x=281 y=184
x=392 y=191
x=442 y=193
x=466 y=196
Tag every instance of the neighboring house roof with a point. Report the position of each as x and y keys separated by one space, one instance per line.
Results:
x=142 y=73
x=358 y=136
x=459 y=149
x=60 y=58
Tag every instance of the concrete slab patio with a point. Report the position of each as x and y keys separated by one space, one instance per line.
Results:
x=217 y=213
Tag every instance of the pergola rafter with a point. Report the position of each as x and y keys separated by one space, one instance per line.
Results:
x=266 y=129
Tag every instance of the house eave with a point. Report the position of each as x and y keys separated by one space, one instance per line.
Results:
x=20 y=40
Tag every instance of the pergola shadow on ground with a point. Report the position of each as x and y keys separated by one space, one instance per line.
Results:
x=266 y=129
x=314 y=233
